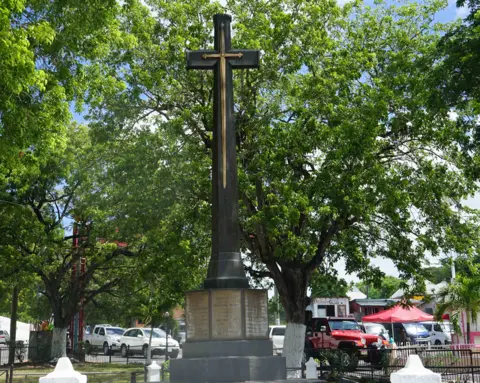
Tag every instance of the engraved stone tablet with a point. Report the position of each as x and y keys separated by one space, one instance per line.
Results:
x=196 y=315
x=226 y=314
x=256 y=315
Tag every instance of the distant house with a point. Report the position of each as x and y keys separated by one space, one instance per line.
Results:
x=329 y=307
x=355 y=293
x=361 y=307
x=431 y=289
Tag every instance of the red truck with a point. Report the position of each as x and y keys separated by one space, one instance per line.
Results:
x=340 y=334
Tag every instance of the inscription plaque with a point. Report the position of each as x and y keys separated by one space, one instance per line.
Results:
x=256 y=315
x=226 y=314
x=196 y=315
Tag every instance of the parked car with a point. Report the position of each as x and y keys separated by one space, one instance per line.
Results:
x=414 y=333
x=440 y=332
x=106 y=337
x=277 y=336
x=342 y=333
x=376 y=329
x=4 y=337
x=135 y=341
x=181 y=333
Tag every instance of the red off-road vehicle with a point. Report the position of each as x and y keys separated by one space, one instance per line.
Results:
x=339 y=334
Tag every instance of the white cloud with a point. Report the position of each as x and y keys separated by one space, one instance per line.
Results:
x=462 y=12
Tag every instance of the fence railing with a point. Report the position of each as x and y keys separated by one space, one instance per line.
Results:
x=129 y=354
x=453 y=364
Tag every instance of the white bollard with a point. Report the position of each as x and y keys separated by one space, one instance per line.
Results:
x=153 y=372
x=414 y=372
x=64 y=373
x=311 y=372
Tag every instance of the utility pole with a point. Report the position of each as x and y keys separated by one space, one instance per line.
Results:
x=452 y=264
x=13 y=330
x=277 y=314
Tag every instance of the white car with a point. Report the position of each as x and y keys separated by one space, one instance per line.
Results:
x=376 y=329
x=277 y=336
x=4 y=337
x=106 y=337
x=135 y=341
x=440 y=332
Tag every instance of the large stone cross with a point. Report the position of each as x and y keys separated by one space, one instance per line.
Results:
x=225 y=269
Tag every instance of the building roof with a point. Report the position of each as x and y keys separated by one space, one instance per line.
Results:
x=430 y=288
x=375 y=302
x=355 y=293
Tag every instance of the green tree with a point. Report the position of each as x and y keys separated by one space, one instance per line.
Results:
x=461 y=296
x=327 y=285
x=383 y=288
x=338 y=156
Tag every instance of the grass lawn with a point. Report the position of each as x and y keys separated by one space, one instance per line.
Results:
x=97 y=372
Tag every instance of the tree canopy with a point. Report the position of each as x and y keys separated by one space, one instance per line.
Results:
x=346 y=144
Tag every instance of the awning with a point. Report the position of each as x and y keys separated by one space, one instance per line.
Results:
x=399 y=314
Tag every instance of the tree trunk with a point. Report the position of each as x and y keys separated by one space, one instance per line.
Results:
x=468 y=328
x=292 y=288
x=13 y=326
x=149 y=352
x=59 y=343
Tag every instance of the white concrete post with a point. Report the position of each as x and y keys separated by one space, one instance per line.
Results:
x=153 y=372
x=311 y=372
x=414 y=372
x=64 y=373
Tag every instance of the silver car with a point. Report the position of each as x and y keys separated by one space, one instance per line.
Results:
x=4 y=337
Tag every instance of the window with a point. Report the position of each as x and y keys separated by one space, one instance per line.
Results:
x=330 y=311
x=1 y=332
x=279 y=331
x=437 y=327
x=342 y=310
x=428 y=326
x=102 y=332
x=96 y=330
x=130 y=333
x=115 y=331
x=343 y=325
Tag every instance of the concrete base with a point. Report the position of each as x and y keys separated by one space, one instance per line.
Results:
x=228 y=369
x=206 y=349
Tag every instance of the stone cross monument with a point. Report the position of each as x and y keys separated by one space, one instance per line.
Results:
x=225 y=269
x=227 y=323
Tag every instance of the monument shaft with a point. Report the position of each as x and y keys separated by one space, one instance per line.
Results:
x=225 y=269
x=227 y=323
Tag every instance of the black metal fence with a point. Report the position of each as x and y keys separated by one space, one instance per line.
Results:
x=455 y=365
x=39 y=354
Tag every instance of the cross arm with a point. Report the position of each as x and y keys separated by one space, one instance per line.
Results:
x=250 y=59
x=195 y=60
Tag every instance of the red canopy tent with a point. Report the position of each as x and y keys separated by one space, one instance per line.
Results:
x=398 y=314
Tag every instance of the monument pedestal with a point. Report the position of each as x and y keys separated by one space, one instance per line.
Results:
x=227 y=339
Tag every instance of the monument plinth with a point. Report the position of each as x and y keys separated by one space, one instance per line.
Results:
x=227 y=323
x=227 y=338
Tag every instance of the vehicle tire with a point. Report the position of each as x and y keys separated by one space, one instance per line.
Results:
x=438 y=342
x=173 y=354
x=145 y=351
x=306 y=356
x=345 y=359
x=124 y=351
x=106 y=349
x=307 y=352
